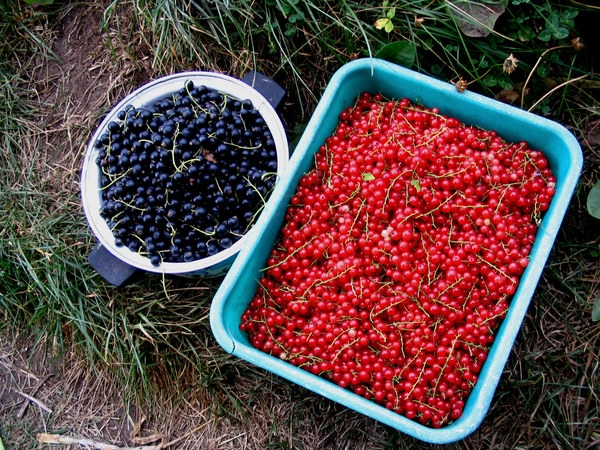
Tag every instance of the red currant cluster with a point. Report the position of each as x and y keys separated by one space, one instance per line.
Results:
x=399 y=254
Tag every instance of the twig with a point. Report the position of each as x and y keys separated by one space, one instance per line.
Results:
x=8 y=407
x=47 y=438
x=11 y=366
x=535 y=67
x=33 y=392
x=34 y=400
x=181 y=438
x=133 y=435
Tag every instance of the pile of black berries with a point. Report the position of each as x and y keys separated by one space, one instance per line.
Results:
x=184 y=178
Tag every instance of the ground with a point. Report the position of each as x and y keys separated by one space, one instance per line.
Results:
x=43 y=390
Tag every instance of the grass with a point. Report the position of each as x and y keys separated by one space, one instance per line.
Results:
x=153 y=336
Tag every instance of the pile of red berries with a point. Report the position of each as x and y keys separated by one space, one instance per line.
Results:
x=400 y=251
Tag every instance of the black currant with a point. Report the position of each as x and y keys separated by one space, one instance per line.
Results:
x=183 y=178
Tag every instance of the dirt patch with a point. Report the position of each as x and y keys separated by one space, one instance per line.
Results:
x=25 y=370
x=75 y=75
x=80 y=73
x=89 y=72
x=41 y=392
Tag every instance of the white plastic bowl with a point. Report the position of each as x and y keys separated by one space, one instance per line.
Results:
x=211 y=266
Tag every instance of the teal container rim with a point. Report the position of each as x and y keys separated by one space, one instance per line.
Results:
x=566 y=165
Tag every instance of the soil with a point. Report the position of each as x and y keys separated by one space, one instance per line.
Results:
x=83 y=77
x=24 y=372
x=40 y=391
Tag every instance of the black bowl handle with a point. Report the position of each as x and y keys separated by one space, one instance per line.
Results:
x=111 y=268
x=265 y=86
x=118 y=272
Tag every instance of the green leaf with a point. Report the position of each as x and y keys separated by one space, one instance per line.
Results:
x=526 y=34
x=570 y=13
x=436 y=69
x=285 y=9
x=560 y=33
x=543 y=70
x=593 y=201
x=416 y=184
x=451 y=48
x=297 y=17
x=290 y=29
x=368 y=176
x=504 y=83
x=545 y=35
x=553 y=25
x=490 y=80
x=596 y=309
x=391 y=13
x=382 y=23
x=400 y=52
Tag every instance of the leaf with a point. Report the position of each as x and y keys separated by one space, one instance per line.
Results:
x=382 y=23
x=490 y=80
x=553 y=26
x=437 y=69
x=504 y=83
x=525 y=34
x=391 y=13
x=508 y=95
x=368 y=176
x=297 y=17
x=285 y=9
x=545 y=35
x=476 y=18
x=399 y=52
x=570 y=13
x=560 y=33
x=416 y=184
x=596 y=309
x=543 y=70
x=593 y=201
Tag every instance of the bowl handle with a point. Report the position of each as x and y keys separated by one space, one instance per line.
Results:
x=111 y=268
x=265 y=86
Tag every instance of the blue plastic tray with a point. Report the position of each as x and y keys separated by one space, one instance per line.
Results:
x=560 y=148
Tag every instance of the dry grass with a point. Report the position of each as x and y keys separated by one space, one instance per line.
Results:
x=65 y=397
